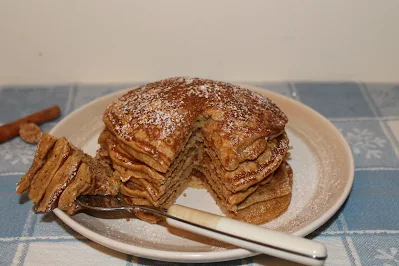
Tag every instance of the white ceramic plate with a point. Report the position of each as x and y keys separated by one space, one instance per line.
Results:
x=323 y=175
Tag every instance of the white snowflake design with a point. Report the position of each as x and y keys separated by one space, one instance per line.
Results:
x=389 y=256
x=17 y=151
x=364 y=142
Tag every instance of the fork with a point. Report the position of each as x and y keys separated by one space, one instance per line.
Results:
x=240 y=234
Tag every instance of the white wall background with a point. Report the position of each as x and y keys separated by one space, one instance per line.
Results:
x=49 y=41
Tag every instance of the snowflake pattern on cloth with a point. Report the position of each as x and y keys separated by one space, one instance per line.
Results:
x=363 y=142
x=16 y=155
x=388 y=256
x=369 y=144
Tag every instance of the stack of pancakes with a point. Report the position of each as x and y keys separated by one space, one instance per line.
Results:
x=167 y=135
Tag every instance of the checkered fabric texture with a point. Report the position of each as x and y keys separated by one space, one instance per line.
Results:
x=365 y=231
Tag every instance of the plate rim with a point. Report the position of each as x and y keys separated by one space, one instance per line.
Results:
x=201 y=256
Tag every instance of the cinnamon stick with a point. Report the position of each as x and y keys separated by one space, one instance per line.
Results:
x=11 y=130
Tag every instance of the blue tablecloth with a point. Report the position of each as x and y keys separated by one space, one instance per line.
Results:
x=365 y=231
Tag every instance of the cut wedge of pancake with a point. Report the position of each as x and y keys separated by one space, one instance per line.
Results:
x=61 y=172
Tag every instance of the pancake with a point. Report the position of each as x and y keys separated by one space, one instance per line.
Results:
x=267 y=203
x=43 y=148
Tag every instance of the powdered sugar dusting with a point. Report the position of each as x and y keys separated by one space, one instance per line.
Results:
x=172 y=105
x=149 y=109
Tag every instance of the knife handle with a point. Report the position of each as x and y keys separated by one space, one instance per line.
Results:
x=247 y=236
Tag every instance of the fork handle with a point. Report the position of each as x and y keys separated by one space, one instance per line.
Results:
x=248 y=236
